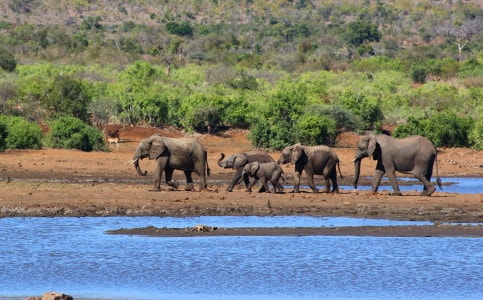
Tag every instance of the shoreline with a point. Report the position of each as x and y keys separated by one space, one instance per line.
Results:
x=466 y=231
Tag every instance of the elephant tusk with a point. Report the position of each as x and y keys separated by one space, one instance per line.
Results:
x=353 y=160
x=133 y=160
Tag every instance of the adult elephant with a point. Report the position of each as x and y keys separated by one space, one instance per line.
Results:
x=171 y=154
x=238 y=161
x=412 y=155
x=314 y=160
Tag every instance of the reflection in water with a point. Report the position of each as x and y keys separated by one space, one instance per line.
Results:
x=73 y=255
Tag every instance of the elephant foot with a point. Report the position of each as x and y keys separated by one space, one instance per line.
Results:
x=155 y=189
x=173 y=184
x=335 y=191
x=428 y=192
x=229 y=189
x=396 y=194
x=190 y=187
x=315 y=191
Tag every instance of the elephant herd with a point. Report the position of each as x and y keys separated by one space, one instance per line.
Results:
x=412 y=155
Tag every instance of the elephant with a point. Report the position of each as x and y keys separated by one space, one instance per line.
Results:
x=314 y=160
x=238 y=161
x=412 y=155
x=171 y=154
x=267 y=172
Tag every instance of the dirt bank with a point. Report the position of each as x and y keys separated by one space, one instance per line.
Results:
x=52 y=182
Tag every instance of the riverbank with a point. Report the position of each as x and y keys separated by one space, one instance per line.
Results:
x=52 y=182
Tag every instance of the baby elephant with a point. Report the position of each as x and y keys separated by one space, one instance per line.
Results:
x=267 y=172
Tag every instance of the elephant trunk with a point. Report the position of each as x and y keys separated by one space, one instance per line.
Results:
x=138 y=168
x=357 y=166
x=220 y=162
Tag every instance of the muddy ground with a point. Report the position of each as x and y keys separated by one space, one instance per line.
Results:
x=52 y=182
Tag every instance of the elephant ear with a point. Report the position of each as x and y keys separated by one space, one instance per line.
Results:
x=240 y=161
x=157 y=148
x=371 y=145
x=255 y=166
x=297 y=151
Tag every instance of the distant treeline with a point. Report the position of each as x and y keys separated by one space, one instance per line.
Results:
x=290 y=71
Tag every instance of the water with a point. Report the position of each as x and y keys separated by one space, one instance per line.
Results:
x=462 y=185
x=75 y=256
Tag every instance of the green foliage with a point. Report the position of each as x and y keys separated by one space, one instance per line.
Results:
x=476 y=135
x=181 y=29
x=20 y=133
x=274 y=126
x=72 y=133
x=343 y=118
x=359 y=32
x=312 y=129
x=3 y=134
x=7 y=61
x=444 y=129
x=361 y=106
x=200 y=111
x=418 y=73
x=67 y=97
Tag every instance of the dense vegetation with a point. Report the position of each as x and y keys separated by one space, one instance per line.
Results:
x=289 y=70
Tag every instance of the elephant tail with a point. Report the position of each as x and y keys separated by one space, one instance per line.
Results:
x=438 y=180
x=338 y=166
x=208 y=171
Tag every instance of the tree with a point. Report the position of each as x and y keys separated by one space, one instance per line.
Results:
x=67 y=97
x=460 y=33
x=359 y=32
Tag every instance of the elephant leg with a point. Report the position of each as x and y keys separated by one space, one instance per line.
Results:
x=160 y=164
x=428 y=186
x=296 y=182
x=377 y=180
x=251 y=184
x=190 y=186
x=169 y=178
x=278 y=187
x=327 y=184
x=311 y=183
x=393 y=180
x=264 y=185
x=236 y=179
x=335 y=186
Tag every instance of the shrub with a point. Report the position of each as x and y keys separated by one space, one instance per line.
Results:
x=72 y=133
x=476 y=135
x=7 y=61
x=313 y=129
x=369 y=112
x=67 y=97
x=418 y=73
x=277 y=118
x=444 y=129
x=3 y=135
x=21 y=134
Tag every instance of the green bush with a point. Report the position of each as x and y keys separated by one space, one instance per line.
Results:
x=3 y=135
x=444 y=129
x=361 y=106
x=72 y=133
x=418 y=73
x=476 y=135
x=274 y=127
x=313 y=129
x=21 y=134
x=7 y=61
x=67 y=96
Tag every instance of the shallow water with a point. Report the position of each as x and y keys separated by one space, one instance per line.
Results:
x=75 y=256
x=462 y=185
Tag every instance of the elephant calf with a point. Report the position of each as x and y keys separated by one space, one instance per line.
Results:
x=266 y=172
x=238 y=161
